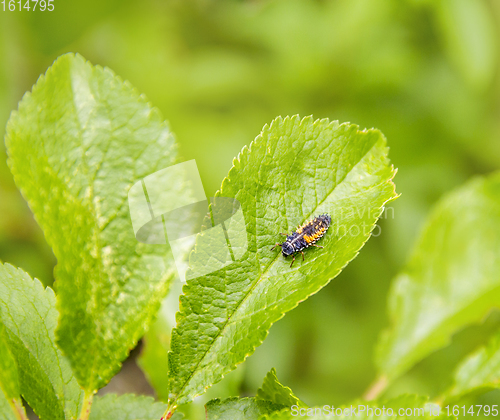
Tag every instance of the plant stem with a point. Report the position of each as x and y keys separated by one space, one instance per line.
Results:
x=376 y=388
x=87 y=404
x=18 y=408
x=168 y=412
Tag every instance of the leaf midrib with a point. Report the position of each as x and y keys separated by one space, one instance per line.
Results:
x=95 y=228
x=263 y=274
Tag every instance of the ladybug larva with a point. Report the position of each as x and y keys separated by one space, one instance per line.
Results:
x=304 y=236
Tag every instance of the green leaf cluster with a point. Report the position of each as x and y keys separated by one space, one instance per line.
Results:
x=450 y=281
x=82 y=125
x=77 y=144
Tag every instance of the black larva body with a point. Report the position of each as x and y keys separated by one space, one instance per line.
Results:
x=305 y=236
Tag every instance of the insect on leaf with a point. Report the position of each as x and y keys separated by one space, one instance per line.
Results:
x=295 y=169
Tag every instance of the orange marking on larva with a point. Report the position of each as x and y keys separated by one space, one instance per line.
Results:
x=305 y=235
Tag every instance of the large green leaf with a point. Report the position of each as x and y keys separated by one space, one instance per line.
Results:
x=295 y=169
x=28 y=312
x=480 y=372
x=272 y=390
x=451 y=280
x=76 y=145
x=240 y=408
x=127 y=407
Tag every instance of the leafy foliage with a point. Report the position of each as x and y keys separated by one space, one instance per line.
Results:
x=240 y=408
x=294 y=169
x=272 y=390
x=29 y=315
x=301 y=76
x=451 y=280
x=76 y=145
x=480 y=372
x=229 y=67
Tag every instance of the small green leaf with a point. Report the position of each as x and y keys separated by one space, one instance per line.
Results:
x=76 y=145
x=240 y=408
x=29 y=315
x=272 y=390
x=451 y=280
x=295 y=169
x=479 y=373
x=127 y=407
x=10 y=400
x=9 y=378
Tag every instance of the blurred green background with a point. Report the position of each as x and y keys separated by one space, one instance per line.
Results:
x=425 y=72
